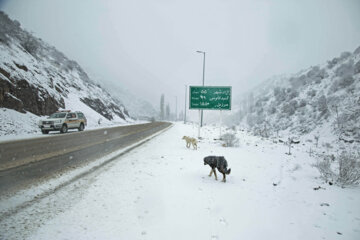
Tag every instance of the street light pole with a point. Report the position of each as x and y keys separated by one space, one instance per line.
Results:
x=203 y=83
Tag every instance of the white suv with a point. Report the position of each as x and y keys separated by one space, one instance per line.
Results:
x=62 y=121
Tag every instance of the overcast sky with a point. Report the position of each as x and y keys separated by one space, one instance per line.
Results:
x=149 y=46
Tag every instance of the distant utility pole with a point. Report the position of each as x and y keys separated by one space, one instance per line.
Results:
x=185 y=104
x=203 y=82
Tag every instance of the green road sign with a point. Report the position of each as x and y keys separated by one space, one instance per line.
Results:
x=210 y=98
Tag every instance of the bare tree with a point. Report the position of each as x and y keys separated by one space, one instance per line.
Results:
x=265 y=130
x=338 y=123
x=317 y=136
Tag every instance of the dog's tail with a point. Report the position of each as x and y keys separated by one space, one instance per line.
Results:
x=228 y=171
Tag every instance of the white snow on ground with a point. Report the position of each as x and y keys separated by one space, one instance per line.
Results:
x=16 y=125
x=161 y=190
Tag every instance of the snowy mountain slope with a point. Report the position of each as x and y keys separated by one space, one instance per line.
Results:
x=36 y=78
x=323 y=100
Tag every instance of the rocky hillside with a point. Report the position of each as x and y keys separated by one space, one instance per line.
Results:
x=37 y=78
x=320 y=100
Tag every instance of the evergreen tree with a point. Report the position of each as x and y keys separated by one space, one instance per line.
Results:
x=162 y=107
x=167 y=112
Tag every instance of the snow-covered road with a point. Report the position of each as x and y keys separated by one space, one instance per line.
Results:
x=161 y=190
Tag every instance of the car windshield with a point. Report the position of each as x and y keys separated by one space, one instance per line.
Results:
x=57 y=115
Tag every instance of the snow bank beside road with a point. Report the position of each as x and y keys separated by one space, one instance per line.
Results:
x=161 y=191
x=15 y=125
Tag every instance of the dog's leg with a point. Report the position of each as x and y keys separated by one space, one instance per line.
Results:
x=211 y=172
x=224 y=177
x=215 y=174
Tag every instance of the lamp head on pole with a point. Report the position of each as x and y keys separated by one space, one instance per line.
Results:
x=200 y=52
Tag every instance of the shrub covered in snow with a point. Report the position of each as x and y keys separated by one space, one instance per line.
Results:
x=322 y=104
x=357 y=67
x=324 y=167
x=311 y=93
x=345 y=69
x=344 y=171
x=288 y=109
x=349 y=168
x=230 y=140
x=302 y=103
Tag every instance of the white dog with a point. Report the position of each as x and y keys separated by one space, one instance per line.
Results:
x=190 y=141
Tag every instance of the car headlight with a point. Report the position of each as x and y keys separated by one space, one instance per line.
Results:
x=57 y=121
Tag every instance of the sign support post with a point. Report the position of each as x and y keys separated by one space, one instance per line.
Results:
x=220 y=123
x=185 y=105
x=199 y=124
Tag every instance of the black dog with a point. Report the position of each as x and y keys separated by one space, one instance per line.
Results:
x=218 y=162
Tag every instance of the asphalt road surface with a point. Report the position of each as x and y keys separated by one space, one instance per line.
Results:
x=24 y=162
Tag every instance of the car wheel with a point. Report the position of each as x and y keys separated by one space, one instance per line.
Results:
x=64 y=128
x=45 y=131
x=81 y=128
